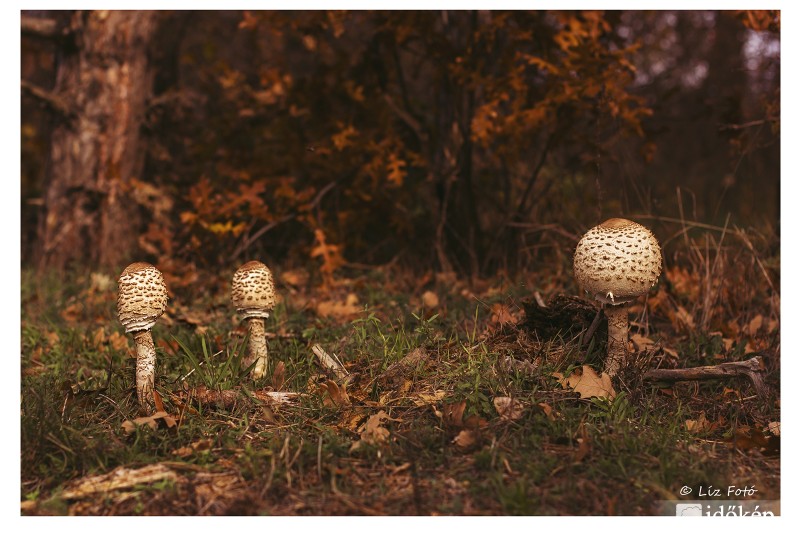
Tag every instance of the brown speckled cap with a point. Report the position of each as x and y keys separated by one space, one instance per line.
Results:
x=142 y=296
x=252 y=290
x=616 y=261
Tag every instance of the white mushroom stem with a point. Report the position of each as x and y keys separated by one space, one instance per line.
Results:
x=617 y=316
x=257 y=348
x=145 y=367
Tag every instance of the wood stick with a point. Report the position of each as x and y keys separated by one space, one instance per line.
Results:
x=329 y=362
x=751 y=369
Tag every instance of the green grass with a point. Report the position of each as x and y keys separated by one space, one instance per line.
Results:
x=592 y=457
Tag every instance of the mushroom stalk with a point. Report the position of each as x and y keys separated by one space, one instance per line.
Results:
x=145 y=366
x=617 y=338
x=257 y=347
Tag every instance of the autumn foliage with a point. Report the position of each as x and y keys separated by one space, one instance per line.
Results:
x=460 y=141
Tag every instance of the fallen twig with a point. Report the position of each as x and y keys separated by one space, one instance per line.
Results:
x=752 y=369
x=329 y=362
x=513 y=365
x=228 y=398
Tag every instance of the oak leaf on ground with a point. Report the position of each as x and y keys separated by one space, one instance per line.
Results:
x=587 y=383
x=508 y=408
x=129 y=426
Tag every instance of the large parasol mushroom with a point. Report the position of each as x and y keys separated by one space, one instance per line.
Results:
x=616 y=262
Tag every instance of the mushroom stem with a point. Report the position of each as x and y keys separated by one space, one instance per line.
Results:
x=617 y=316
x=257 y=348
x=145 y=367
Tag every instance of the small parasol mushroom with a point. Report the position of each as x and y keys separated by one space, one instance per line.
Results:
x=141 y=301
x=253 y=296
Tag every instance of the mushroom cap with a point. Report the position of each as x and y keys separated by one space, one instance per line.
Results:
x=142 y=296
x=617 y=261
x=253 y=291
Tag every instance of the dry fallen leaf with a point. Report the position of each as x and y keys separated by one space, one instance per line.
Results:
x=151 y=420
x=339 y=310
x=372 y=431
x=430 y=300
x=453 y=414
x=297 y=277
x=118 y=341
x=502 y=314
x=423 y=399
x=755 y=325
x=52 y=338
x=587 y=383
x=773 y=325
x=337 y=395
x=72 y=312
x=508 y=408
x=466 y=439
x=642 y=342
x=701 y=424
x=99 y=338
x=548 y=410
x=746 y=438
x=199 y=445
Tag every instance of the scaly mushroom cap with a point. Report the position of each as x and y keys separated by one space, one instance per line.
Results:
x=616 y=261
x=252 y=290
x=142 y=296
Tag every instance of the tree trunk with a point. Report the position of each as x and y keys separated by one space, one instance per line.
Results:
x=106 y=80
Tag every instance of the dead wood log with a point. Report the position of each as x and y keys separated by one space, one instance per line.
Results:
x=751 y=369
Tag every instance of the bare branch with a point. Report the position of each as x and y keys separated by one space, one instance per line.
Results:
x=407 y=118
x=750 y=124
x=40 y=27
x=750 y=369
x=53 y=102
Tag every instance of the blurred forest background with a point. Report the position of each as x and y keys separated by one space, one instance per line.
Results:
x=473 y=142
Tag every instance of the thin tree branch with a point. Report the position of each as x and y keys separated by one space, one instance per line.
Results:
x=522 y=202
x=534 y=175
x=52 y=101
x=41 y=27
x=407 y=118
x=750 y=124
x=286 y=218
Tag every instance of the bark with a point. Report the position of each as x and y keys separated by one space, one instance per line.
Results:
x=106 y=80
x=145 y=369
x=256 y=348
x=617 y=338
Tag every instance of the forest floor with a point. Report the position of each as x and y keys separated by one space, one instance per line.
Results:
x=451 y=399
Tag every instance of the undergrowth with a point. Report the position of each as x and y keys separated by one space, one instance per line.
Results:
x=412 y=425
